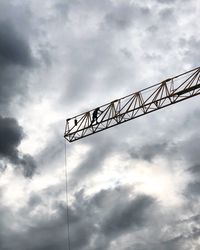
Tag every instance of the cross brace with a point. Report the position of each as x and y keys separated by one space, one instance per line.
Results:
x=163 y=94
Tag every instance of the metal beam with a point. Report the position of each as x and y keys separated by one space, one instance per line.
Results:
x=163 y=94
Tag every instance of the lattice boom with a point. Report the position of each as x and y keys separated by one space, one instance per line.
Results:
x=158 y=96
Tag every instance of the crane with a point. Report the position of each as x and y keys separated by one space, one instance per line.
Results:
x=145 y=101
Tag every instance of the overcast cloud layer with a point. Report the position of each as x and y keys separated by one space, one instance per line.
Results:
x=133 y=187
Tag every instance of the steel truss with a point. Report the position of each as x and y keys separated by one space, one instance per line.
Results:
x=168 y=92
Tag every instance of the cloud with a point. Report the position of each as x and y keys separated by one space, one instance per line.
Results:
x=156 y=149
x=195 y=170
x=3 y=167
x=54 y=148
x=102 y=49
x=16 y=57
x=192 y=190
x=13 y=49
x=94 y=58
x=16 y=61
x=128 y=216
x=189 y=47
x=94 y=159
x=28 y=165
x=123 y=15
x=167 y=15
x=11 y=135
x=89 y=220
x=166 y=1
x=190 y=149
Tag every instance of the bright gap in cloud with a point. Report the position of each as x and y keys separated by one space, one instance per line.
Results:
x=157 y=178
x=37 y=123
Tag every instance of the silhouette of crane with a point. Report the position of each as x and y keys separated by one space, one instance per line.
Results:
x=163 y=94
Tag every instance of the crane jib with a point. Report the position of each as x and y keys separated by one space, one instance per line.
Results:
x=188 y=89
x=163 y=94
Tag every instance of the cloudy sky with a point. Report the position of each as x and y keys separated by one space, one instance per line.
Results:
x=132 y=187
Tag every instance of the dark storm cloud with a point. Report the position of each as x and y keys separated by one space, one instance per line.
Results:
x=89 y=221
x=13 y=49
x=15 y=61
x=128 y=216
x=11 y=135
x=116 y=213
x=15 y=54
x=28 y=165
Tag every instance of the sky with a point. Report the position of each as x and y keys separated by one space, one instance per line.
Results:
x=133 y=187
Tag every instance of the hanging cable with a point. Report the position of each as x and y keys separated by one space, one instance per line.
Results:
x=67 y=199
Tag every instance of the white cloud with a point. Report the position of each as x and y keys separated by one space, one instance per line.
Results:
x=87 y=53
